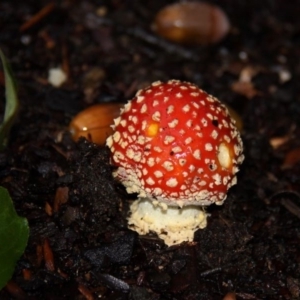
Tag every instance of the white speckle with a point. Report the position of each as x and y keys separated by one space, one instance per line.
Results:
x=145 y=171
x=157 y=149
x=144 y=108
x=185 y=174
x=149 y=91
x=225 y=180
x=194 y=94
x=183 y=187
x=117 y=121
x=173 y=123
x=189 y=123
x=127 y=106
x=192 y=168
x=170 y=109
x=186 y=108
x=150 y=181
x=117 y=136
x=168 y=139
x=188 y=140
x=109 y=141
x=199 y=134
x=233 y=181
x=156 y=116
x=225 y=124
x=134 y=119
x=123 y=123
x=240 y=159
x=144 y=124
x=210 y=116
x=119 y=155
x=57 y=77
x=131 y=129
x=208 y=147
x=233 y=133
x=130 y=153
x=156 y=83
x=214 y=134
x=157 y=191
x=196 y=179
x=227 y=138
x=176 y=149
x=196 y=105
x=141 y=140
x=197 y=154
x=235 y=170
x=202 y=183
x=150 y=162
x=182 y=132
x=168 y=166
x=155 y=103
x=200 y=170
x=237 y=150
x=178 y=95
x=217 y=179
x=140 y=99
x=182 y=87
x=175 y=195
x=166 y=99
x=137 y=157
x=172 y=182
x=204 y=122
x=158 y=174
x=211 y=99
x=182 y=161
x=138 y=93
x=207 y=160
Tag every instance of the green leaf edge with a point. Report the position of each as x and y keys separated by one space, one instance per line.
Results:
x=12 y=102
x=22 y=235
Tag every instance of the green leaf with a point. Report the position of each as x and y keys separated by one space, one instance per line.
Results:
x=14 y=233
x=12 y=102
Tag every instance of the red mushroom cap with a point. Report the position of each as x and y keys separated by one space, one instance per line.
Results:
x=176 y=144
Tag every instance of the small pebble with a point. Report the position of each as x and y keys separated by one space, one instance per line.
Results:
x=57 y=77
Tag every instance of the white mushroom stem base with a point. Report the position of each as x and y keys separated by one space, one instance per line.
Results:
x=171 y=223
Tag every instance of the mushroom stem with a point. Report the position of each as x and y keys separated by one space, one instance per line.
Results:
x=171 y=223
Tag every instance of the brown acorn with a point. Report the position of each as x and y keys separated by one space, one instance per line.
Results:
x=94 y=122
x=192 y=23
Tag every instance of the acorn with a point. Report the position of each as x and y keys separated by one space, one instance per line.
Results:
x=94 y=123
x=192 y=23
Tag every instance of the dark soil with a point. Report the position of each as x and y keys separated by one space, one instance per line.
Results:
x=79 y=245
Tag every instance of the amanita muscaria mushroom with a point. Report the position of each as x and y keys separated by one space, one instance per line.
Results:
x=178 y=148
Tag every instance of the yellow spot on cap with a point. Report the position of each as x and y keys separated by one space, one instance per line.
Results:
x=152 y=129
